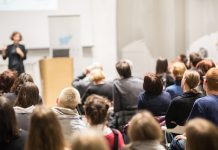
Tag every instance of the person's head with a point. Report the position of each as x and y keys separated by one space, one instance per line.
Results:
x=201 y=135
x=16 y=37
x=28 y=95
x=18 y=83
x=178 y=70
x=68 y=98
x=97 y=75
x=190 y=80
x=88 y=140
x=93 y=66
x=124 y=67
x=152 y=84
x=45 y=131
x=161 y=65
x=8 y=124
x=7 y=79
x=194 y=58
x=182 y=58
x=96 y=108
x=204 y=65
x=211 y=80
x=143 y=127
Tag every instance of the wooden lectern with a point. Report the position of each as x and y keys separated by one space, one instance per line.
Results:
x=56 y=74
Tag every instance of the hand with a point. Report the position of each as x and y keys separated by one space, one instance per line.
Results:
x=19 y=52
x=181 y=137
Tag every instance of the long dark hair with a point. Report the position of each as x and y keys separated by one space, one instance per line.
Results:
x=161 y=66
x=28 y=95
x=8 y=125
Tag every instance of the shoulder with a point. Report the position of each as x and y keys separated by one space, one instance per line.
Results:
x=166 y=94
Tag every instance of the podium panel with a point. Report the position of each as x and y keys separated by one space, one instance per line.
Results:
x=56 y=74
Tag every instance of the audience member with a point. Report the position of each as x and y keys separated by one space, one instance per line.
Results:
x=202 y=67
x=96 y=108
x=27 y=98
x=125 y=93
x=181 y=106
x=18 y=83
x=82 y=82
x=7 y=79
x=163 y=72
x=45 y=131
x=11 y=137
x=99 y=86
x=178 y=70
x=194 y=58
x=207 y=107
x=68 y=116
x=154 y=98
x=201 y=135
x=144 y=133
x=182 y=58
x=89 y=140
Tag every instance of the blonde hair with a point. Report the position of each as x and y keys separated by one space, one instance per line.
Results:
x=192 y=78
x=97 y=75
x=201 y=134
x=89 y=140
x=178 y=70
x=45 y=131
x=144 y=127
x=212 y=79
x=69 y=98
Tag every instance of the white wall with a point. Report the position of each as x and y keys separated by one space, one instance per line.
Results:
x=148 y=29
x=34 y=24
x=98 y=32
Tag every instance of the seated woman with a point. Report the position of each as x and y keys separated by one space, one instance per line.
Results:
x=45 y=131
x=181 y=106
x=18 y=83
x=163 y=72
x=202 y=68
x=96 y=108
x=11 y=137
x=144 y=133
x=99 y=86
x=7 y=79
x=27 y=98
x=67 y=114
x=201 y=135
x=178 y=70
x=154 y=98
x=89 y=140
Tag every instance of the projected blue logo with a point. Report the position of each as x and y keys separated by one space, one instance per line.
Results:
x=65 y=40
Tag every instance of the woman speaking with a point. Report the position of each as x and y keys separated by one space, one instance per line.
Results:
x=16 y=53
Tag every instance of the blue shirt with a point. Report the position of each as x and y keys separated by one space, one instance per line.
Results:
x=175 y=89
x=157 y=104
x=206 y=107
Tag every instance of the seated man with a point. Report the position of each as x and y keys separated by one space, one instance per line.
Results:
x=70 y=119
x=207 y=107
x=125 y=93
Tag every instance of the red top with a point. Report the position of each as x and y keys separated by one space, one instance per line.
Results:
x=110 y=139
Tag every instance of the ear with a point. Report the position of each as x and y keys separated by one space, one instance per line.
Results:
x=205 y=85
x=57 y=101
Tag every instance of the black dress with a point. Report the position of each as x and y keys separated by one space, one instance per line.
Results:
x=15 y=60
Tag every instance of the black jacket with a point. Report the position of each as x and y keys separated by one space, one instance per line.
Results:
x=15 y=60
x=180 y=108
